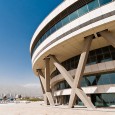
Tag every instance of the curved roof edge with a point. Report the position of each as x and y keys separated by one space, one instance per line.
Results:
x=53 y=14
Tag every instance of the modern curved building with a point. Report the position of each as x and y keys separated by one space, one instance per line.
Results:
x=73 y=54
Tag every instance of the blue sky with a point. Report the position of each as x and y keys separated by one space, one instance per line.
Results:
x=18 y=22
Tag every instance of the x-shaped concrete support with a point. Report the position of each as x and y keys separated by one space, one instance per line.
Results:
x=75 y=83
x=47 y=94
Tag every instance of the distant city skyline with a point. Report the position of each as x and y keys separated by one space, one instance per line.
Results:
x=30 y=90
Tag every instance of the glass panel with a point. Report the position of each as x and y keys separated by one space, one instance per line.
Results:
x=105 y=78
x=112 y=49
x=107 y=57
x=91 y=79
x=112 y=78
x=65 y=20
x=72 y=63
x=82 y=10
x=83 y=82
x=98 y=51
x=53 y=29
x=105 y=50
x=93 y=60
x=99 y=58
x=58 y=25
x=88 y=61
x=73 y=16
x=113 y=55
x=92 y=53
x=48 y=33
x=62 y=86
x=100 y=81
x=106 y=99
x=92 y=5
x=102 y=2
x=44 y=37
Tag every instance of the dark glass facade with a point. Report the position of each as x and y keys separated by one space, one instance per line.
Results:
x=91 y=80
x=74 y=15
x=99 y=100
x=96 y=56
x=103 y=99
x=100 y=55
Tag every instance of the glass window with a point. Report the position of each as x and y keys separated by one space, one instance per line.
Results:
x=59 y=25
x=105 y=50
x=99 y=58
x=73 y=16
x=112 y=78
x=92 y=5
x=88 y=61
x=83 y=10
x=65 y=20
x=113 y=55
x=107 y=57
x=102 y=2
x=67 y=85
x=98 y=51
x=42 y=39
x=91 y=79
x=72 y=64
x=48 y=33
x=62 y=85
x=53 y=29
x=112 y=49
x=106 y=78
x=103 y=99
x=93 y=60
x=83 y=82
x=100 y=81
x=92 y=53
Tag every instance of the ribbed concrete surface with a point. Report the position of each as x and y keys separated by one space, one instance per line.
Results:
x=40 y=109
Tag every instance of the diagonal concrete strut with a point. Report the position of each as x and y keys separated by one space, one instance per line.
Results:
x=47 y=94
x=107 y=35
x=75 y=83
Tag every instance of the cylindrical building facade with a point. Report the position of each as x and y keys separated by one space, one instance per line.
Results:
x=73 y=54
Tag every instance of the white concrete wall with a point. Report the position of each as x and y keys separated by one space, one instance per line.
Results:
x=91 y=15
x=89 y=90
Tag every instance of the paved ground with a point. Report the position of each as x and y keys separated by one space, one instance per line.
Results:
x=38 y=108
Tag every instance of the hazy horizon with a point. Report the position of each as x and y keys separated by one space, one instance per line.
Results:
x=18 y=21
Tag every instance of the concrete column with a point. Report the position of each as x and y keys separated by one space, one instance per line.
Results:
x=61 y=100
x=47 y=74
x=42 y=82
x=47 y=81
x=108 y=36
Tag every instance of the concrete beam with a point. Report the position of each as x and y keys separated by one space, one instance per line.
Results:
x=108 y=36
